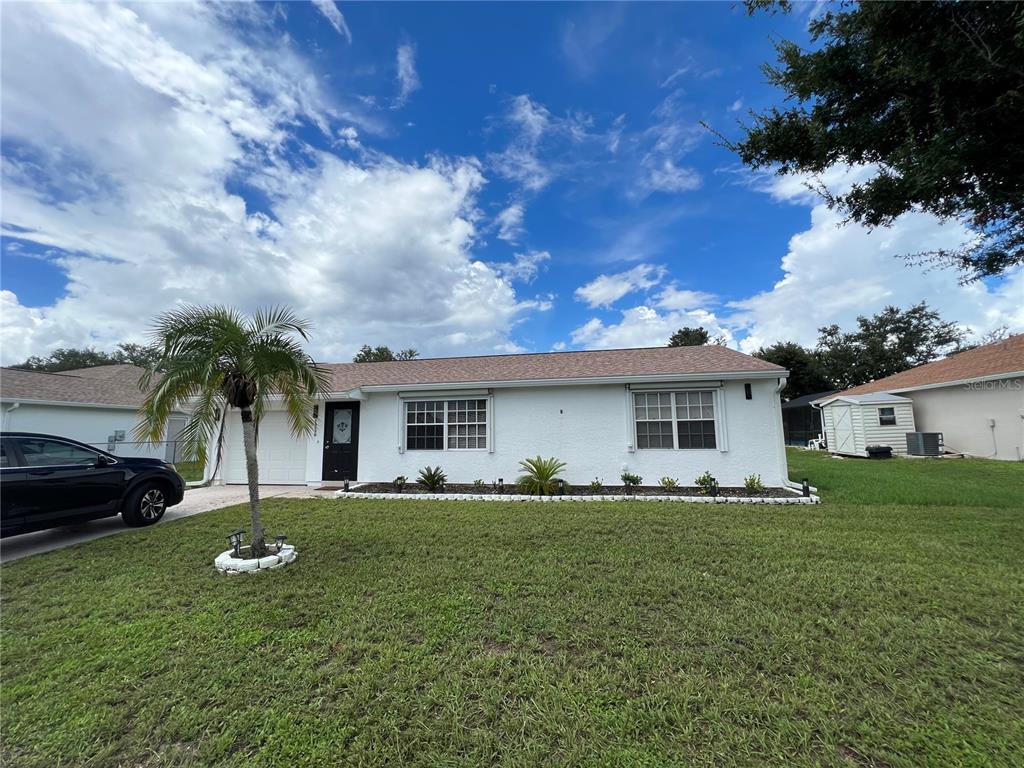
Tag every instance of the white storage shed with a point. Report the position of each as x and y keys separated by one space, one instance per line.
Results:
x=853 y=422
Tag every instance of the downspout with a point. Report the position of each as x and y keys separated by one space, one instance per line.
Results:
x=782 y=437
x=7 y=416
x=780 y=431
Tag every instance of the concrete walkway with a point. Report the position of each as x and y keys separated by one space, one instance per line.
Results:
x=196 y=500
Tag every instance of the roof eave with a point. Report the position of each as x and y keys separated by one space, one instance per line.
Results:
x=577 y=381
x=69 y=403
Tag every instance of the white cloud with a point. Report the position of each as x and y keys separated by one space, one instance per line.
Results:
x=520 y=161
x=644 y=326
x=525 y=267
x=664 y=176
x=833 y=273
x=672 y=136
x=605 y=290
x=330 y=10
x=677 y=299
x=510 y=222
x=119 y=153
x=736 y=106
x=408 y=78
x=584 y=40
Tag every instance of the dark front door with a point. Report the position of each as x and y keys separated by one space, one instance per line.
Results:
x=341 y=441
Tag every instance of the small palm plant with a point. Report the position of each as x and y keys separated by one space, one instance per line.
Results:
x=432 y=478
x=540 y=476
x=214 y=359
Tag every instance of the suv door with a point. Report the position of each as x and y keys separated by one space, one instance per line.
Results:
x=12 y=482
x=65 y=480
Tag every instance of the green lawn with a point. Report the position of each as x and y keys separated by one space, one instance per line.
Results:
x=884 y=627
x=190 y=470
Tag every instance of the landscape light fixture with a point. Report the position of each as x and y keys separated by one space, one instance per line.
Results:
x=714 y=489
x=344 y=486
x=501 y=484
x=806 y=488
x=235 y=538
x=280 y=539
x=561 y=487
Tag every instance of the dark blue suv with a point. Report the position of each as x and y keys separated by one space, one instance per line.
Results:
x=47 y=481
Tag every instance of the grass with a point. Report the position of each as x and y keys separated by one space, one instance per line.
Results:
x=884 y=627
x=190 y=470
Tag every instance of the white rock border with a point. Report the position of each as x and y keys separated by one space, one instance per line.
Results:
x=227 y=563
x=616 y=497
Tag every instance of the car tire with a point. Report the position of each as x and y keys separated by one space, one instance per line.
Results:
x=145 y=505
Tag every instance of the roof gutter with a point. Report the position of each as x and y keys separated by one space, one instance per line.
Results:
x=959 y=382
x=69 y=403
x=568 y=382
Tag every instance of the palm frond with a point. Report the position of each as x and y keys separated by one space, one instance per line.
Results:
x=277 y=321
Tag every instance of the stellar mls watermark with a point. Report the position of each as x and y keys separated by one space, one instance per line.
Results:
x=1013 y=385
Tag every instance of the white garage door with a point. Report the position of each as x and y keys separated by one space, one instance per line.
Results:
x=281 y=457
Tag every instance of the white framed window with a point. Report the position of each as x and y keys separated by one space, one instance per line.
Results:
x=886 y=417
x=446 y=425
x=681 y=420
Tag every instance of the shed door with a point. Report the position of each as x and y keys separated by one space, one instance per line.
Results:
x=842 y=419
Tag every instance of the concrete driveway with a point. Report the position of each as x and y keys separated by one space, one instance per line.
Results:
x=196 y=500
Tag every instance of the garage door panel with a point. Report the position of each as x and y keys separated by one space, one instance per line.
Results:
x=281 y=457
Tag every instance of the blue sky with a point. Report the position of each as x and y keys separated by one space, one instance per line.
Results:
x=463 y=178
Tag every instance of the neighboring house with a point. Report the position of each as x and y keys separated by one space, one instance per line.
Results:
x=98 y=406
x=670 y=411
x=801 y=421
x=974 y=398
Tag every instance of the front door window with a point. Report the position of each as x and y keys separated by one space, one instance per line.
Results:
x=342 y=432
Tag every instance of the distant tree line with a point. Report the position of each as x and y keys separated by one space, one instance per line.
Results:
x=69 y=358
x=886 y=343
x=383 y=354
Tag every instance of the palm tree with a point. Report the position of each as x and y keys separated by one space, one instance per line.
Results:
x=213 y=359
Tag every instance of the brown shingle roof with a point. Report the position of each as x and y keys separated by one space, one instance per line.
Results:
x=1001 y=357
x=102 y=385
x=654 y=361
x=118 y=384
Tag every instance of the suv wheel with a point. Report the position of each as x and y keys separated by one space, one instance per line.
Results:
x=145 y=505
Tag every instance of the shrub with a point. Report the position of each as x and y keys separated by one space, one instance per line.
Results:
x=753 y=483
x=540 y=476
x=630 y=480
x=432 y=478
x=399 y=482
x=478 y=483
x=706 y=484
x=596 y=484
x=668 y=483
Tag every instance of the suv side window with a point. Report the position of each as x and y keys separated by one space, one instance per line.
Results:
x=4 y=461
x=39 y=452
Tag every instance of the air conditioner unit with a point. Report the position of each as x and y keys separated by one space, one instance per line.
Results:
x=924 y=443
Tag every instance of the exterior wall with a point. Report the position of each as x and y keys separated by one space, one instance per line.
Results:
x=962 y=413
x=588 y=427
x=894 y=436
x=87 y=424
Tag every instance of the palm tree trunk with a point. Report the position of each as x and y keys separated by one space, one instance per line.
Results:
x=259 y=547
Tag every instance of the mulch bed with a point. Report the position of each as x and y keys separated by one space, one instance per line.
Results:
x=581 y=490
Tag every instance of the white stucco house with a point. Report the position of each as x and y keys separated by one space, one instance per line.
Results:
x=98 y=406
x=655 y=412
x=975 y=399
